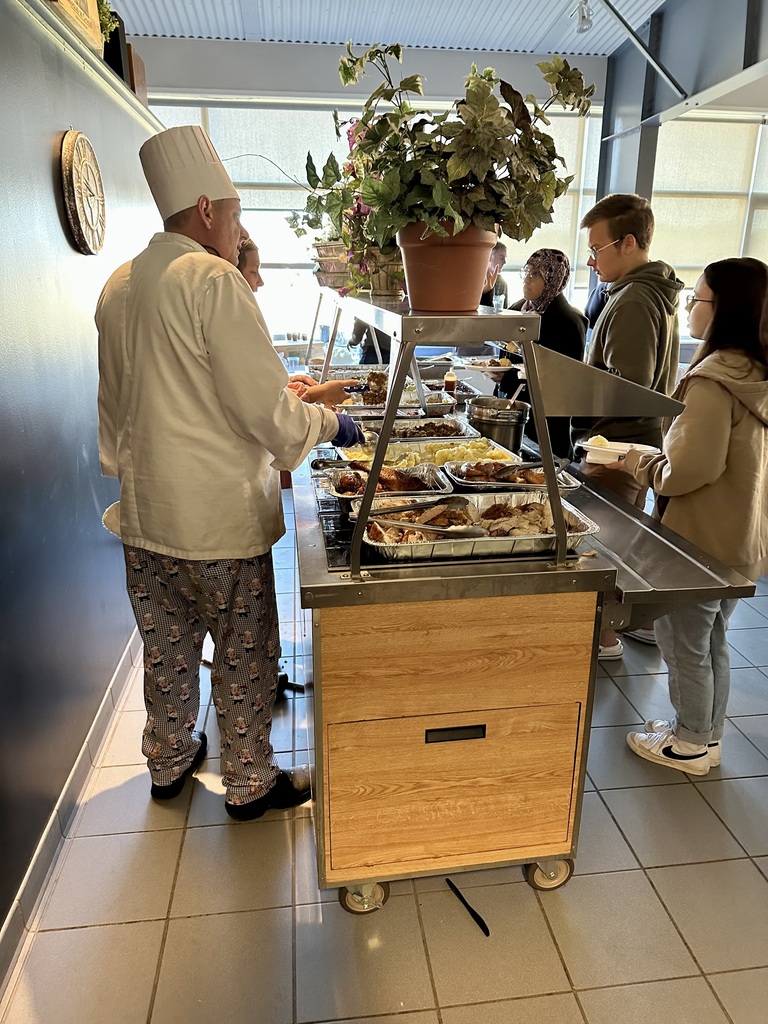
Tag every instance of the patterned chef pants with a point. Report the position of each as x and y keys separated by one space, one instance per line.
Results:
x=176 y=603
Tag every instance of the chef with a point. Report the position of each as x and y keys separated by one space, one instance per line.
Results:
x=196 y=422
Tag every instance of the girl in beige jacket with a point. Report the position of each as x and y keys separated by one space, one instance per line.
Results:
x=711 y=482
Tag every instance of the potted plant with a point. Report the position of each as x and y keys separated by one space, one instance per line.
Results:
x=446 y=184
x=335 y=208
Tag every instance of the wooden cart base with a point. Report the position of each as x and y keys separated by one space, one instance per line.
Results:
x=450 y=735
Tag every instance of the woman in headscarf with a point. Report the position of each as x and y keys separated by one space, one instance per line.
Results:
x=563 y=329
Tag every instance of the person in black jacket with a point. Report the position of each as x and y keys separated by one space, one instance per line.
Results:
x=563 y=329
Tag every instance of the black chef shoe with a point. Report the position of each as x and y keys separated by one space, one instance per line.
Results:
x=291 y=788
x=172 y=790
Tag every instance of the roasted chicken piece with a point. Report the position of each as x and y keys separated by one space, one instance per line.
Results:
x=396 y=480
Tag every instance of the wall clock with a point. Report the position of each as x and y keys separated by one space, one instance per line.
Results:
x=83 y=192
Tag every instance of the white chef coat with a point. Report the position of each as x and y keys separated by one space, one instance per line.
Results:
x=194 y=418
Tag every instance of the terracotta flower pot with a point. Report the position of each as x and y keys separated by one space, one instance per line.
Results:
x=445 y=274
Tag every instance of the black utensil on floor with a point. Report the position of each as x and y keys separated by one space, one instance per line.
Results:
x=470 y=910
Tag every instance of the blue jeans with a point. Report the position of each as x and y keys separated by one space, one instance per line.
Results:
x=693 y=643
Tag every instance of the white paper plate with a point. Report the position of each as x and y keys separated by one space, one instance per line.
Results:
x=602 y=455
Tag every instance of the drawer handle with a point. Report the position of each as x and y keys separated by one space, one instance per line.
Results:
x=460 y=732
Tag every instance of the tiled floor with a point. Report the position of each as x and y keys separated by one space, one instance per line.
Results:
x=173 y=914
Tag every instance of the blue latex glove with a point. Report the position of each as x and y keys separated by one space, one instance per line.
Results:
x=349 y=433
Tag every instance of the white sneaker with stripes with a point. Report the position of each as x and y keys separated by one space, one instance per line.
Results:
x=715 y=748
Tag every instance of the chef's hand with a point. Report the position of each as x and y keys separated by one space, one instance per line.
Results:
x=620 y=465
x=302 y=378
x=349 y=433
x=298 y=388
x=330 y=393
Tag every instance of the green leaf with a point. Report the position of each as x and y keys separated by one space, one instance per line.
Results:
x=312 y=176
x=331 y=172
x=413 y=83
x=376 y=193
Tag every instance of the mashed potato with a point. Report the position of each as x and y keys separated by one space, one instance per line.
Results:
x=598 y=441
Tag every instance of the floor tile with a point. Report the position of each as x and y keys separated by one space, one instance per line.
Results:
x=124 y=745
x=721 y=909
x=744 y=995
x=133 y=698
x=759 y=601
x=227 y=967
x=561 y=1009
x=749 y=692
x=611 y=706
x=737 y=659
x=685 y=1001
x=239 y=866
x=305 y=882
x=589 y=786
x=284 y=581
x=743 y=806
x=740 y=756
x=755 y=728
x=113 y=879
x=283 y=558
x=118 y=800
x=747 y=617
x=353 y=966
x=671 y=826
x=467 y=966
x=601 y=845
x=602 y=946
x=752 y=643
x=285 y=603
x=762 y=863
x=612 y=765
x=88 y=976
x=638 y=659
x=648 y=694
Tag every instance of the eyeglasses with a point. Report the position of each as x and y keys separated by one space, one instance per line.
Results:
x=594 y=251
x=694 y=299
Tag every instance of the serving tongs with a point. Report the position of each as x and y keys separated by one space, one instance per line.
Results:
x=447 y=501
x=451 y=531
x=518 y=467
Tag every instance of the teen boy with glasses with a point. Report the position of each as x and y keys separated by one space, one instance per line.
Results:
x=636 y=335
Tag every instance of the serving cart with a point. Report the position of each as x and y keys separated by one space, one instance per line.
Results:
x=450 y=701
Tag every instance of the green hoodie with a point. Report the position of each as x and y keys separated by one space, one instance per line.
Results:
x=636 y=337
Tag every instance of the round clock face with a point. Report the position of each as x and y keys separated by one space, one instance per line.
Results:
x=83 y=192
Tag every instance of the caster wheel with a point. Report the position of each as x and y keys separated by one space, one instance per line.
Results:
x=367 y=903
x=537 y=879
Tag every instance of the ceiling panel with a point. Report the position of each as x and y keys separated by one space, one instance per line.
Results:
x=525 y=26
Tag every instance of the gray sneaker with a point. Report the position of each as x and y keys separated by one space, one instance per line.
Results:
x=715 y=748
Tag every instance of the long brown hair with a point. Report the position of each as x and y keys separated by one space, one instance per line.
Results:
x=740 y=290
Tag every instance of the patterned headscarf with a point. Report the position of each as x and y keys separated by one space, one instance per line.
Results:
x=554 y=267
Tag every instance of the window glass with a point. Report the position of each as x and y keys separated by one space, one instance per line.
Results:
x=705 y=156
x=694 y=230
x=276 y=241
x=247 y=139
x=761 y=169
x=175 y=117
x=757 y=243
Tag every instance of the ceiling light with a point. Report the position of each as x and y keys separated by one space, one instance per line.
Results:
x=583 y=14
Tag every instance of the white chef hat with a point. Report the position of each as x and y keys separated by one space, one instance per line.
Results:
x=180 y=165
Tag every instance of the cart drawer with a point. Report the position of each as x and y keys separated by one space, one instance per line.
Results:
x=436 y=787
